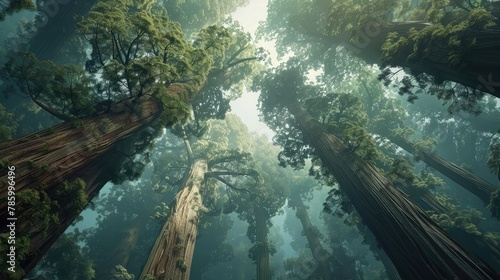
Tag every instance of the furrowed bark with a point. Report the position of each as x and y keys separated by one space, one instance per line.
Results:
x=263 y=269
x=478 y=245
x=172 y=253
x=480 y=61
x=46 y=159
x=418 y=247
x=462 y=177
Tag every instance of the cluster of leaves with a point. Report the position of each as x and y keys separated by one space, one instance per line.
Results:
x=425 y=43
x=494 y=204
x=299 y=266
x=122 y=273
x=348 y=16
x=22 y=247
x=65 y=91
x=67 y=260
x=37 y=205
x=494 y=157
x=336 y=203
x=235 y=64
x=257 y=247
x=8 y=125
x=457 y=219
x=10 y=7
x=402 y=171
x=194 y=15
x=75 y=193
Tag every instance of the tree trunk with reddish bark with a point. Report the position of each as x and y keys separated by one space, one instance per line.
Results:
x=45 y=160
x=418 y=247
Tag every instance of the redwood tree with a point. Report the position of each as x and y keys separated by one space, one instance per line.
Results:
x=210 y=160
x=139 y=87
x=400 y=226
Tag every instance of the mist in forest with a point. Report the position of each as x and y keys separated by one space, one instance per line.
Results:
x=250 y=139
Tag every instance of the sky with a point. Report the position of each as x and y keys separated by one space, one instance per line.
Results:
x=246 y=106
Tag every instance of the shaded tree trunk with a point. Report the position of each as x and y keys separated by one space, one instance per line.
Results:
x=464 y=178
x=63 y=153
x=379 y=253
x=172 y=253
x=480 y=61
x=123 y=249
x=261 y=240
x=418 y=247
x=478 y=245
x=319 y=253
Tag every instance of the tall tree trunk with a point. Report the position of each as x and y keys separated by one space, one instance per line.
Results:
x=462 y=177
x=418 y=247
x=478 y=245
x=480 y=61
x=261 y=240
x=319 y=253
x=123 y=249
x=172 y=253
x=63 y=153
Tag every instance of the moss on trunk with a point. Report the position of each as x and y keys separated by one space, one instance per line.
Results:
x=418 y=247
x=172 y=253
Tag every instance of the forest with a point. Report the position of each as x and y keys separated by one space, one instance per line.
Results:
x=250 y=139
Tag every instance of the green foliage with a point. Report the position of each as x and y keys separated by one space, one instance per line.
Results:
x=15 y=6
x=162 y=213
x=181 y=264
x=194 y=15
x=122 y=273
x=427 y=145
x=346 y=16
x=258 y=247
x=136 y=51
x=22 y=246
x=494 y=157
x=31 y=164
x=179 y=247
x=72 y=196
x=402 y=171
x=404 y=133
x=426 y=42
x=8 y=124
x=62 y=90
x=36 y=206
x=359 y=141
x=66 y=260
x=494 y=204
x=458 y=219
x=235 y=64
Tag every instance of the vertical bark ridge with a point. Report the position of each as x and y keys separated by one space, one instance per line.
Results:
x=262 y=241
x=317 y=250
x=172 y=253
x=462 y=177
x=417 y=246
x=65 y=152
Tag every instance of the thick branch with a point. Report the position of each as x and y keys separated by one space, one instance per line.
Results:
x=227 y=183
